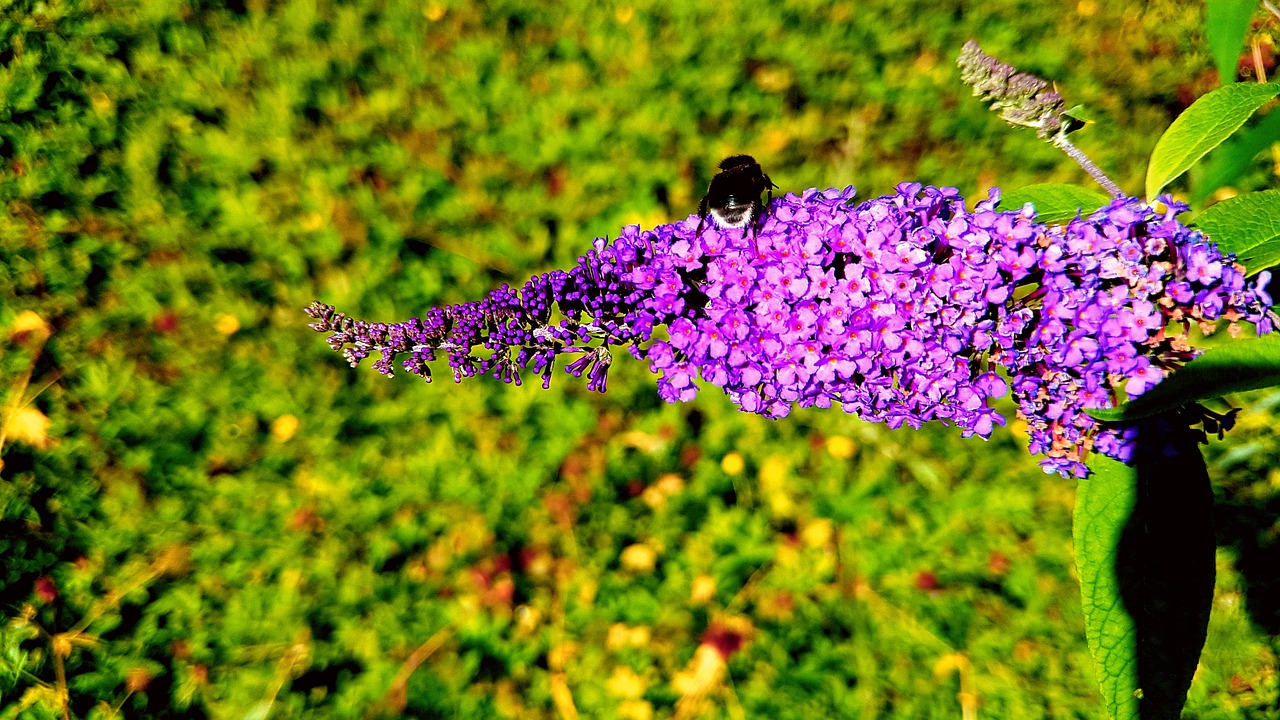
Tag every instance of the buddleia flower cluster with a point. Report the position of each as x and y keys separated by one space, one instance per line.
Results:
x=578 y=313
x=1020 y=98
x=905 y=309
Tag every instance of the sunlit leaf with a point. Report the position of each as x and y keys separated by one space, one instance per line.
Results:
x=1055 y=202
x=1104 y=502
x=1229 y=160
x=1145 y=555
x=1202 y=127
x=1247 y=225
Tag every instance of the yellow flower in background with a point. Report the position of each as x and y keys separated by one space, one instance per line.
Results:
x=226 y=324
x=639 y=636
x=625 y=683
x=817 y=533
x=1018 y=427
x=773 y=473
x=949 y=663
x=703 y=590
x=702 y=673
x=28 y=325
x=639 y=558
x=670 y=484
x=732 y=464
x=312 y=221
x=635 y=710
x=654 y=497
x=528 y=618
x=841 y=447
x=622 y=636
x=562 y=696
x=617 y=637
x=27 y=425
x=61 y=645
x=284 y=427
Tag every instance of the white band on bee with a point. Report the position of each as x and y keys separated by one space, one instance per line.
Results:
x=738 y=219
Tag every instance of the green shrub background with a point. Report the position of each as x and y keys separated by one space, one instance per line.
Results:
x=236 y=524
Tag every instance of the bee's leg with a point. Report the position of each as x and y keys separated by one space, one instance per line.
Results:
x=754 y=227
x=702 y=217
x=763 y=211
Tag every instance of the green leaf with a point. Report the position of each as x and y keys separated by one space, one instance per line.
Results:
x=1144 y=548
x=1247 y=225
x=260 y=711
x=1079 y=113
x=1202 y=127
x=1226 y=163
x=1225 y=23
x=1237 y=366
x=1076 y=118
x=1104 y=502
x=1055 y=202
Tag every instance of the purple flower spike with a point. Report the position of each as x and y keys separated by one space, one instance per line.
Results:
x=898 y=310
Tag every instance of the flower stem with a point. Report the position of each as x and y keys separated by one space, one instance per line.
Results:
x=1061 y=142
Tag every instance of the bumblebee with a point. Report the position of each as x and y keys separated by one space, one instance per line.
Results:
x=733 y=198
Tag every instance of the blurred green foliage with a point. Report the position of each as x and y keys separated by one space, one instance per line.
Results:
x=221 y=519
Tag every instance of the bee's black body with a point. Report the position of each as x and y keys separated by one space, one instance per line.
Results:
x=733 y=199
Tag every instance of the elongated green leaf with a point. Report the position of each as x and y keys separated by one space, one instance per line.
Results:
x=1229 y=160
x=1145 y=556
x=1245 y=364
x=1247 y=225
x=1202 y=127
x=1104 y=502
x=1169 y=552
x=1225 y=23
x=1055 y=202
